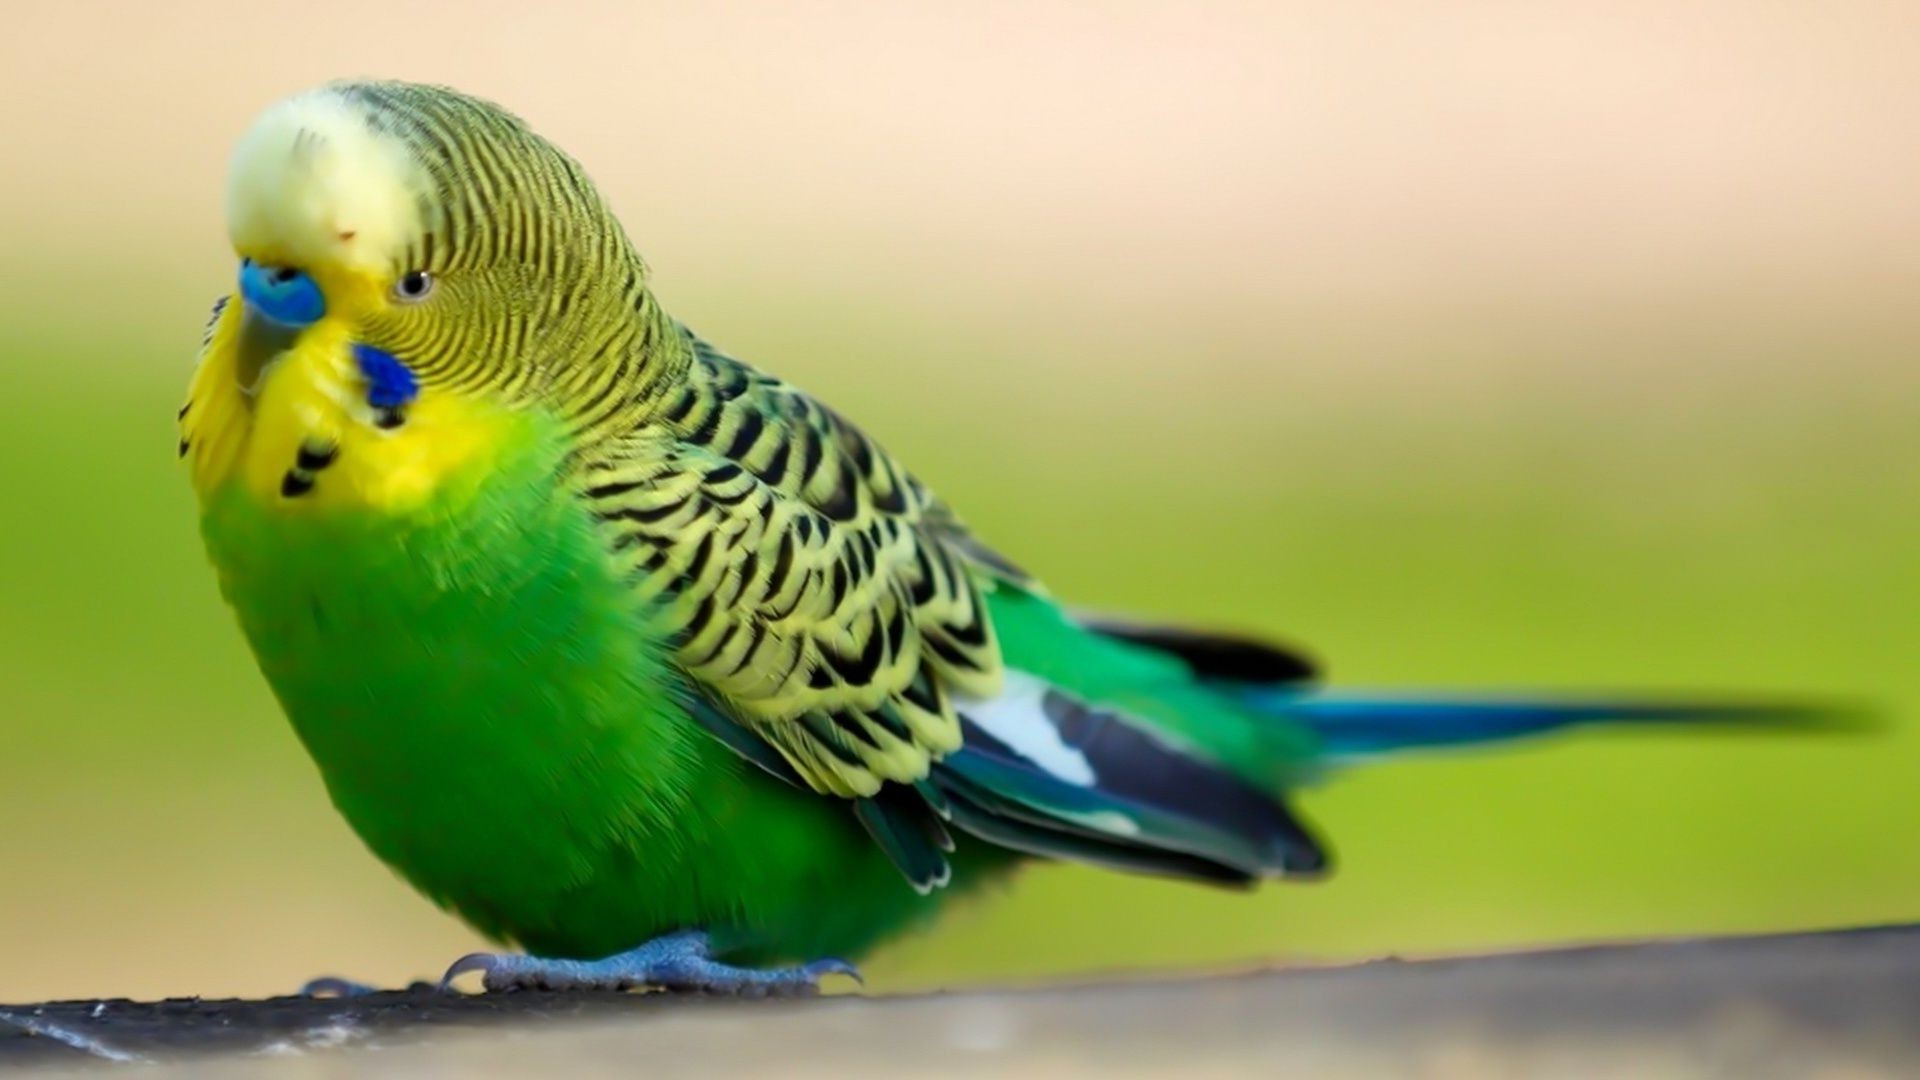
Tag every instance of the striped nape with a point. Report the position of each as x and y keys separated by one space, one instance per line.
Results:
x=516 y=215
x=501 y=193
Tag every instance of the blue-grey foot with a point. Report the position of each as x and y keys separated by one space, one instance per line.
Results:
x=334 y=986
x=682 y=961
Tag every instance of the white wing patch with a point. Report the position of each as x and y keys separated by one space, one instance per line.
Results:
x=1017 y=716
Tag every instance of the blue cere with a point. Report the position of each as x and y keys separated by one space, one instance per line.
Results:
x=390 y=383
x=281 y=294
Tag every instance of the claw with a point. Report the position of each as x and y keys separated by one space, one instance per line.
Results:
x=819 y=969
x=479 y=961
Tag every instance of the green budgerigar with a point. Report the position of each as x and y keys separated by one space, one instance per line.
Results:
x=636 y=656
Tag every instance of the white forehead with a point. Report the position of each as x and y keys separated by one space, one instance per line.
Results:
x=312 y=183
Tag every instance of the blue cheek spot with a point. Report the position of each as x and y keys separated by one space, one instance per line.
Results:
x=390 y=383
x=282 y=294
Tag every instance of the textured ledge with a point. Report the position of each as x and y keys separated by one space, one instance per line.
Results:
x=1836 y=1003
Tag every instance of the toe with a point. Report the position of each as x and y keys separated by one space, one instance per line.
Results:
x=334 y=986
x=679 y=962
x=820 y=969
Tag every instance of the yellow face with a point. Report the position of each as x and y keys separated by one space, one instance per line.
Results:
x=326 y=216
x=300 y=434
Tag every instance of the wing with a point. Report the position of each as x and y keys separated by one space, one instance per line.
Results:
x=818 y=594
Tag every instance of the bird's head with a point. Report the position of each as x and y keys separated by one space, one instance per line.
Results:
x=413 y=265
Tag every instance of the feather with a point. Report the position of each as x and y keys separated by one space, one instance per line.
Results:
x=910 y=833
x=1101 y=774
x=1051 y=843
x=808 y=581
x=1212 y=656
x=1355 y=725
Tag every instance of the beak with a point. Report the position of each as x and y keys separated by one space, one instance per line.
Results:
x=281 y=293
x=277 y=303
x=262 y=340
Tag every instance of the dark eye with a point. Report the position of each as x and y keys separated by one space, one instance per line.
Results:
x=413 y=286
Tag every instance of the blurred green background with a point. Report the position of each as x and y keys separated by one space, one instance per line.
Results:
x=1510 y=344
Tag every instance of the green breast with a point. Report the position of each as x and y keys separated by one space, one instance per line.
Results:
x=474 y=684
x=493 y=716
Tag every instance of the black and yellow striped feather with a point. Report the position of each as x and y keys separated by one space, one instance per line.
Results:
x=814 y=586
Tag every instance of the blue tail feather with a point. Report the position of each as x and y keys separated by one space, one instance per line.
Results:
x=1358 y=725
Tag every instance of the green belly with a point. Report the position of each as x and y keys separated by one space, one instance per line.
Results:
x=492 y=716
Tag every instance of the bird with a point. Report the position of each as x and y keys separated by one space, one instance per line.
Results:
x=649 y=666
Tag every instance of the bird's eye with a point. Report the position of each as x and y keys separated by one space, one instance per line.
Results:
x=413 y=287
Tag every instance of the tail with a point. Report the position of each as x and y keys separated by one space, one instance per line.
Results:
x=1278 y=683
x=1365 y=725
x=1170 y=752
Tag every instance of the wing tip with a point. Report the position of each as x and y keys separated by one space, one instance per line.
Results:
x=1212 y=656
x=1298 y=854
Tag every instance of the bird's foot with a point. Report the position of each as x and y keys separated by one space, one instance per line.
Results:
x=681 y=962
x=332 y=986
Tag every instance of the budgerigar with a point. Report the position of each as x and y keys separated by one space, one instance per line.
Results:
x=640 y=658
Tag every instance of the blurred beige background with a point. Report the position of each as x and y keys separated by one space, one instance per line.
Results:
x=1545 y=343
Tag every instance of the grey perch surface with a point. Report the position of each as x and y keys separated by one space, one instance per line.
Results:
x=1831 y=1003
